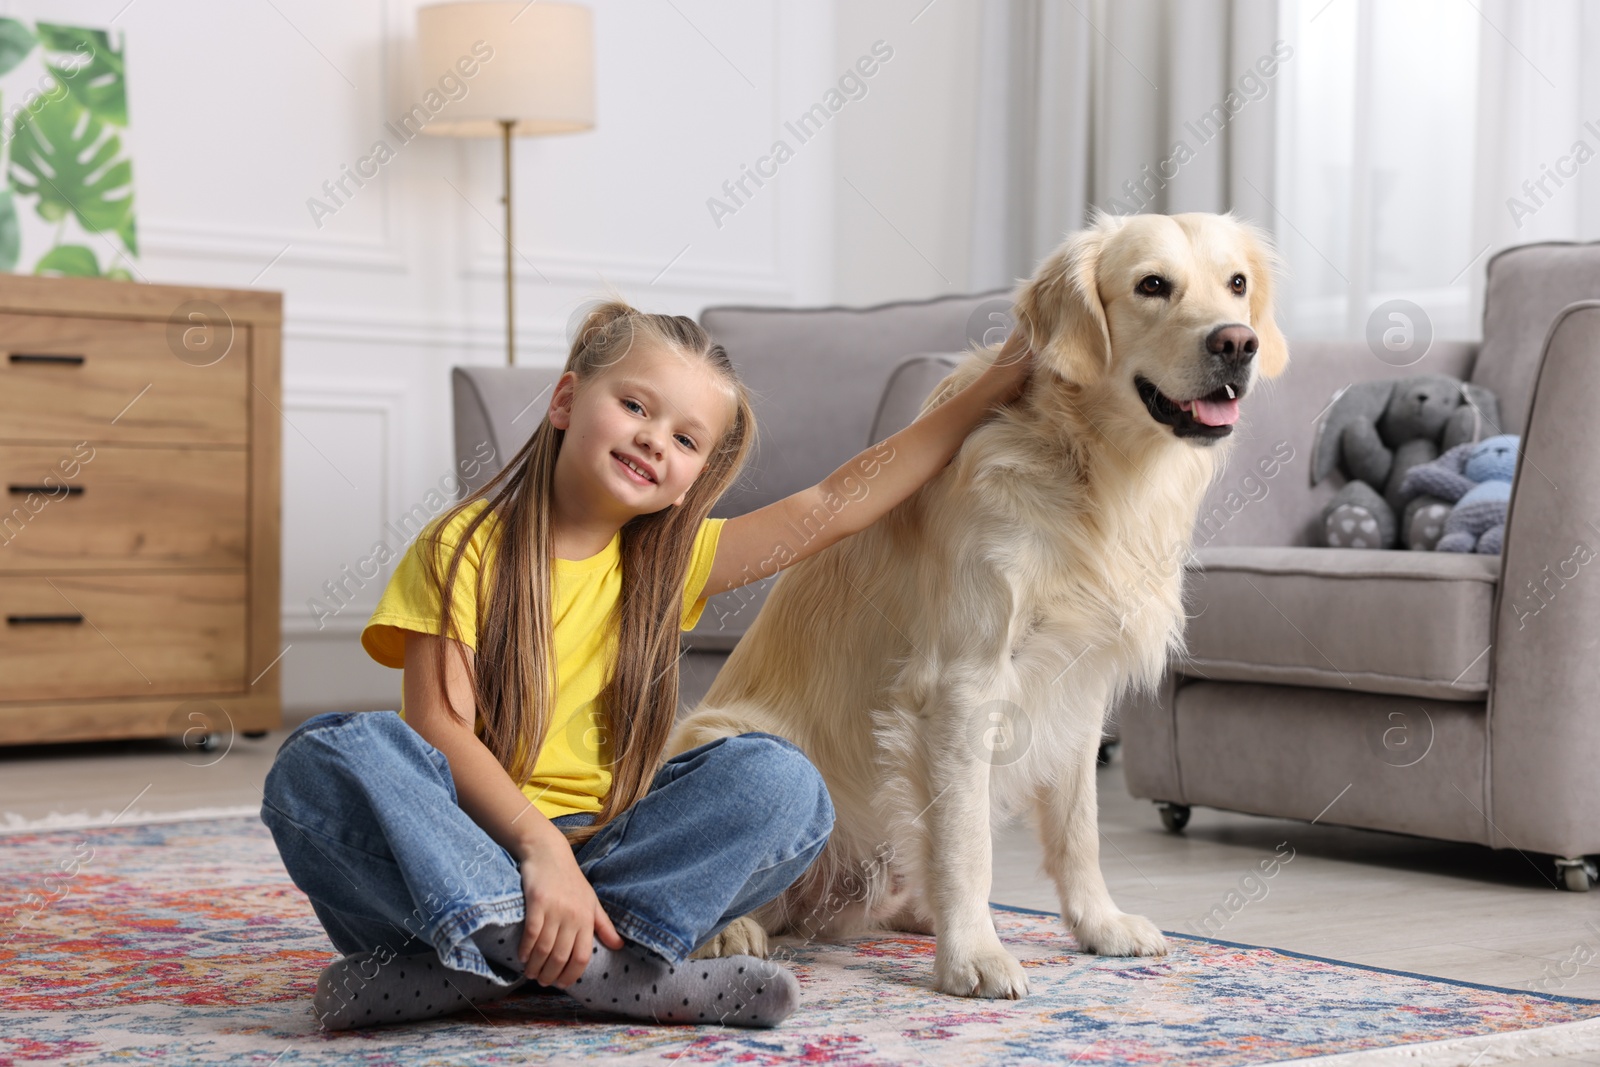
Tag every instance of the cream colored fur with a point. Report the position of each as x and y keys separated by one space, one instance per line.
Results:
x=951 y=666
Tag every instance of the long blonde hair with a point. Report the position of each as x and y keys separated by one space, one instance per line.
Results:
x=513 y=676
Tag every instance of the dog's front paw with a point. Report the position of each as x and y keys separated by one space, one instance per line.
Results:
x=1121 y=934
x=989 y=971
x=742 y=937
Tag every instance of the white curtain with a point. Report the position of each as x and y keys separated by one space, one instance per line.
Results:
x=1132 y=105
x=1407 y=138
x=1375 y=158
x=1537 y=158
x=1392 y=149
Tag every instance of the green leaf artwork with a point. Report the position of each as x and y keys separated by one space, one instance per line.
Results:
x=10 y=233
x=69 y=159
x=16 y=41
x=73 y=260
x=94 y=73
x=64 y=153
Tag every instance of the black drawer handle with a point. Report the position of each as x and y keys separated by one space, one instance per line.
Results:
x=20 y=620
x=32 y=357
x=45 y=489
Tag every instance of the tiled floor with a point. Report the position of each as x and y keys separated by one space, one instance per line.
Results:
x=1408 y=904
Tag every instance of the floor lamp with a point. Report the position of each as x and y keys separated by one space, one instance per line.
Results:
x=504 y=67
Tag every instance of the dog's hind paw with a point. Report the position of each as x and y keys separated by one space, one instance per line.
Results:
x=742 y=937
x=1121 y=934
x=990 y=972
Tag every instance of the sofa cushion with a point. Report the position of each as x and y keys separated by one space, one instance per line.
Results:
x=1411 y=623
x=1264 y=495
x=909 y=385
x=816 y=376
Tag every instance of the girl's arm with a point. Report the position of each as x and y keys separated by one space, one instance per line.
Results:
x=561 y=908
x=866 y=488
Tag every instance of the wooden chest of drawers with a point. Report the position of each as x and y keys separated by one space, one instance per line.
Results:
x=139 y=526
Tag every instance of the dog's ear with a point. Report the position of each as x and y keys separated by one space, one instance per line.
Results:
x=1272 y=355
x=1061 y=310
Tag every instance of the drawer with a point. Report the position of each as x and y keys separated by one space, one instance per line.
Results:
x=67 y=637
x=119 y=380
x=83 y=505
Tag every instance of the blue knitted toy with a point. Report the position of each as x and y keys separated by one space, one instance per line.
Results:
x=1478 y=478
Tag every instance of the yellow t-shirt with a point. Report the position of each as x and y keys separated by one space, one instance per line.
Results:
x=572 y=772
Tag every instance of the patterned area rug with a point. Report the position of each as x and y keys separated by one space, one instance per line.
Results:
x=185 y=942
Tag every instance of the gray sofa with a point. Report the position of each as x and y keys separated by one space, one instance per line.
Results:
x=1449 y=696
x=826 y=383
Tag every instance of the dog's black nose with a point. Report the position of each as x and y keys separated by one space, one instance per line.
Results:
x=1236 y=344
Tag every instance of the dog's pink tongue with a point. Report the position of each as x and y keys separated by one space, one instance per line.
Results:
x=1216 y=412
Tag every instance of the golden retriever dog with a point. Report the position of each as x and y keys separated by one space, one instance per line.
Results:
x=953 y=664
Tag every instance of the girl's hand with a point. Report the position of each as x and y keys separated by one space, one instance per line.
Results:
x=1008 y=374
x=561 y=914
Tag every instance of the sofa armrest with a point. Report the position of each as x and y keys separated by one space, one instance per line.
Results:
x=496 y=411
x=1543 y=719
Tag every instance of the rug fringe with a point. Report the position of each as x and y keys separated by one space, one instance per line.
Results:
x=1487 y=1050
x=17 y=824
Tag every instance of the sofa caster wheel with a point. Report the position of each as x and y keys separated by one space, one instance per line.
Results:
x=1174 y=816
x=1577 y=875
x=255 y=733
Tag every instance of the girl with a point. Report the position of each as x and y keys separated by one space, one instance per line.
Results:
x=515 y=820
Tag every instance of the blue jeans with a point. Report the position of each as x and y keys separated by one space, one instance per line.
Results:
x=365 y=816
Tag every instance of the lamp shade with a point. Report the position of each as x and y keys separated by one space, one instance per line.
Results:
x=531 y=63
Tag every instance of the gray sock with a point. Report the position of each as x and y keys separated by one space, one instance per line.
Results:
x=366 y=989
x=633 y=981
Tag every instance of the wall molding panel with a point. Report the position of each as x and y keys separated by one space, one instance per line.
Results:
x=303 y=575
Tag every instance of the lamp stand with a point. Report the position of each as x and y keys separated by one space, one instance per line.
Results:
x=511 y=300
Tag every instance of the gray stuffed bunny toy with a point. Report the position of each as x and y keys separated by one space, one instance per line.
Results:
x=1378 y=430
x=1478 y=478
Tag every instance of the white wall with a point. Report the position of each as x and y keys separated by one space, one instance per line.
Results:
x=240 y=112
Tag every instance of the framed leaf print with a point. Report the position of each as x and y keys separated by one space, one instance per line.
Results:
x=66 y=207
